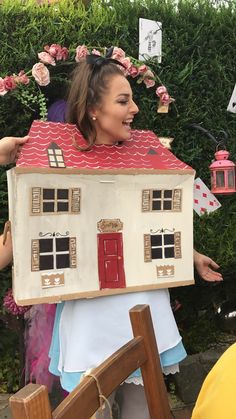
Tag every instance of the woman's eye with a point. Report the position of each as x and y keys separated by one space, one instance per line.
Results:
x=123 y=102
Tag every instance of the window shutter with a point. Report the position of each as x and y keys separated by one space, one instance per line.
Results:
x=75 y=200
x=36 y=201
x=147 y=248
x=177 y=200
x=73 y=263
x=146 y=200
x=35 y=255
x=177 y=239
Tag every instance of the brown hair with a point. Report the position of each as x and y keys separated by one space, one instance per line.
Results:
x=89 y=83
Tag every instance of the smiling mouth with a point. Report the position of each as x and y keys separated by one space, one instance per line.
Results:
x=128 y=123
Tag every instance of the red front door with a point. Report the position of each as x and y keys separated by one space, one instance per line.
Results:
x=110 y=260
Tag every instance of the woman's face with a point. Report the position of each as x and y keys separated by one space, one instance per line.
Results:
x=115 y=113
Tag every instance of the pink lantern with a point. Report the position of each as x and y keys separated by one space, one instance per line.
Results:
x=222 y=174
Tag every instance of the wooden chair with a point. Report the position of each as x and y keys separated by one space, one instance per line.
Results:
x=32 y=402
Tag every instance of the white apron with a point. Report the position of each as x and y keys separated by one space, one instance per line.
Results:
x=90 y=330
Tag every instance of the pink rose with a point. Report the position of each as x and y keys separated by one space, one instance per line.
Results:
x=165 y=99
x=118 y=54
x=126 y=62
x=9 y=82
x=81 y=52
x=3 y=90
x=64 y=53
x=96 y=52
x=23 y=78
x=46 y=58
x=133 y=71
x=142 y=69
x=149 y=83
x=160 y=90
x=148 y=79
x=52 y=49
x=126 y=65
x=57 y=52
x=41 y=74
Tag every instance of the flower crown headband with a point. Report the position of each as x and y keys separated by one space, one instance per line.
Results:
x=23 y=83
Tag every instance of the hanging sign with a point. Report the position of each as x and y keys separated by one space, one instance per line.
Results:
x=150 y=39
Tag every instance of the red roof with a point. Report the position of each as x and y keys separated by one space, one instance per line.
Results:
x=142 y=151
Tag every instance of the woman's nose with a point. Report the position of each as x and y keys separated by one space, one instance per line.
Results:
x=135 y=108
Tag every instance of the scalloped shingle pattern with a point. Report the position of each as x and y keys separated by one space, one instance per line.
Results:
x=143 y=151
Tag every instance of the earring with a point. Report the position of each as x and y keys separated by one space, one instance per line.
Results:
x=94 y=118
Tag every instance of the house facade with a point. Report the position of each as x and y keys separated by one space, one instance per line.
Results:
x=108 y=220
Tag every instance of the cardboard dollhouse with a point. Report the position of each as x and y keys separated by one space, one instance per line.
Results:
x=109 y=220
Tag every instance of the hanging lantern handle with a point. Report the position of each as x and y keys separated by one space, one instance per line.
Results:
x=222 y=137
x=221 y=145
x=219 y=140
x=205 y=131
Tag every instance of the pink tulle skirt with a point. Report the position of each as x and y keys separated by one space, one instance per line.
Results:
x=38 y=334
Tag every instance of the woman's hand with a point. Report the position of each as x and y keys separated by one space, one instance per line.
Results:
x=10 y=148
x=5 y=250
x=204 y=266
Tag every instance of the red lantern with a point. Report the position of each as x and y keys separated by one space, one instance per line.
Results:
x=222 y=174
x=222 y=169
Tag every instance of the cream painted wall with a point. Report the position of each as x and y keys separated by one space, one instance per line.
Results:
x=102 y=197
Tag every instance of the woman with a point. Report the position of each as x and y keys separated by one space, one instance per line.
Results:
x=100 y=103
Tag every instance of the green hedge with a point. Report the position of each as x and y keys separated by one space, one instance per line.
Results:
x=198 y=67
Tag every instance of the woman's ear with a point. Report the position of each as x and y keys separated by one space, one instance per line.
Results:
x=92 y=113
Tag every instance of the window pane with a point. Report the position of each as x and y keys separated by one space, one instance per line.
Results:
x=157 y=253
x=58 y=152
x=62 y=244
x=231 y=178
x=220 y=178
x=62 y=194
x=156 y=205
x=167 y=205
x=48 y=193
x=62 y=206
x=48 y=206
x=168 y=194
x=169 y=252
x=156 y=194
x=169 y=239
x=45 y=245
x=156 y=240
x=63 y=261
x=45 y=262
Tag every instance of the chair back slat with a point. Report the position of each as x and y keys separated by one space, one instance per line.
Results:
x=154 y=384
